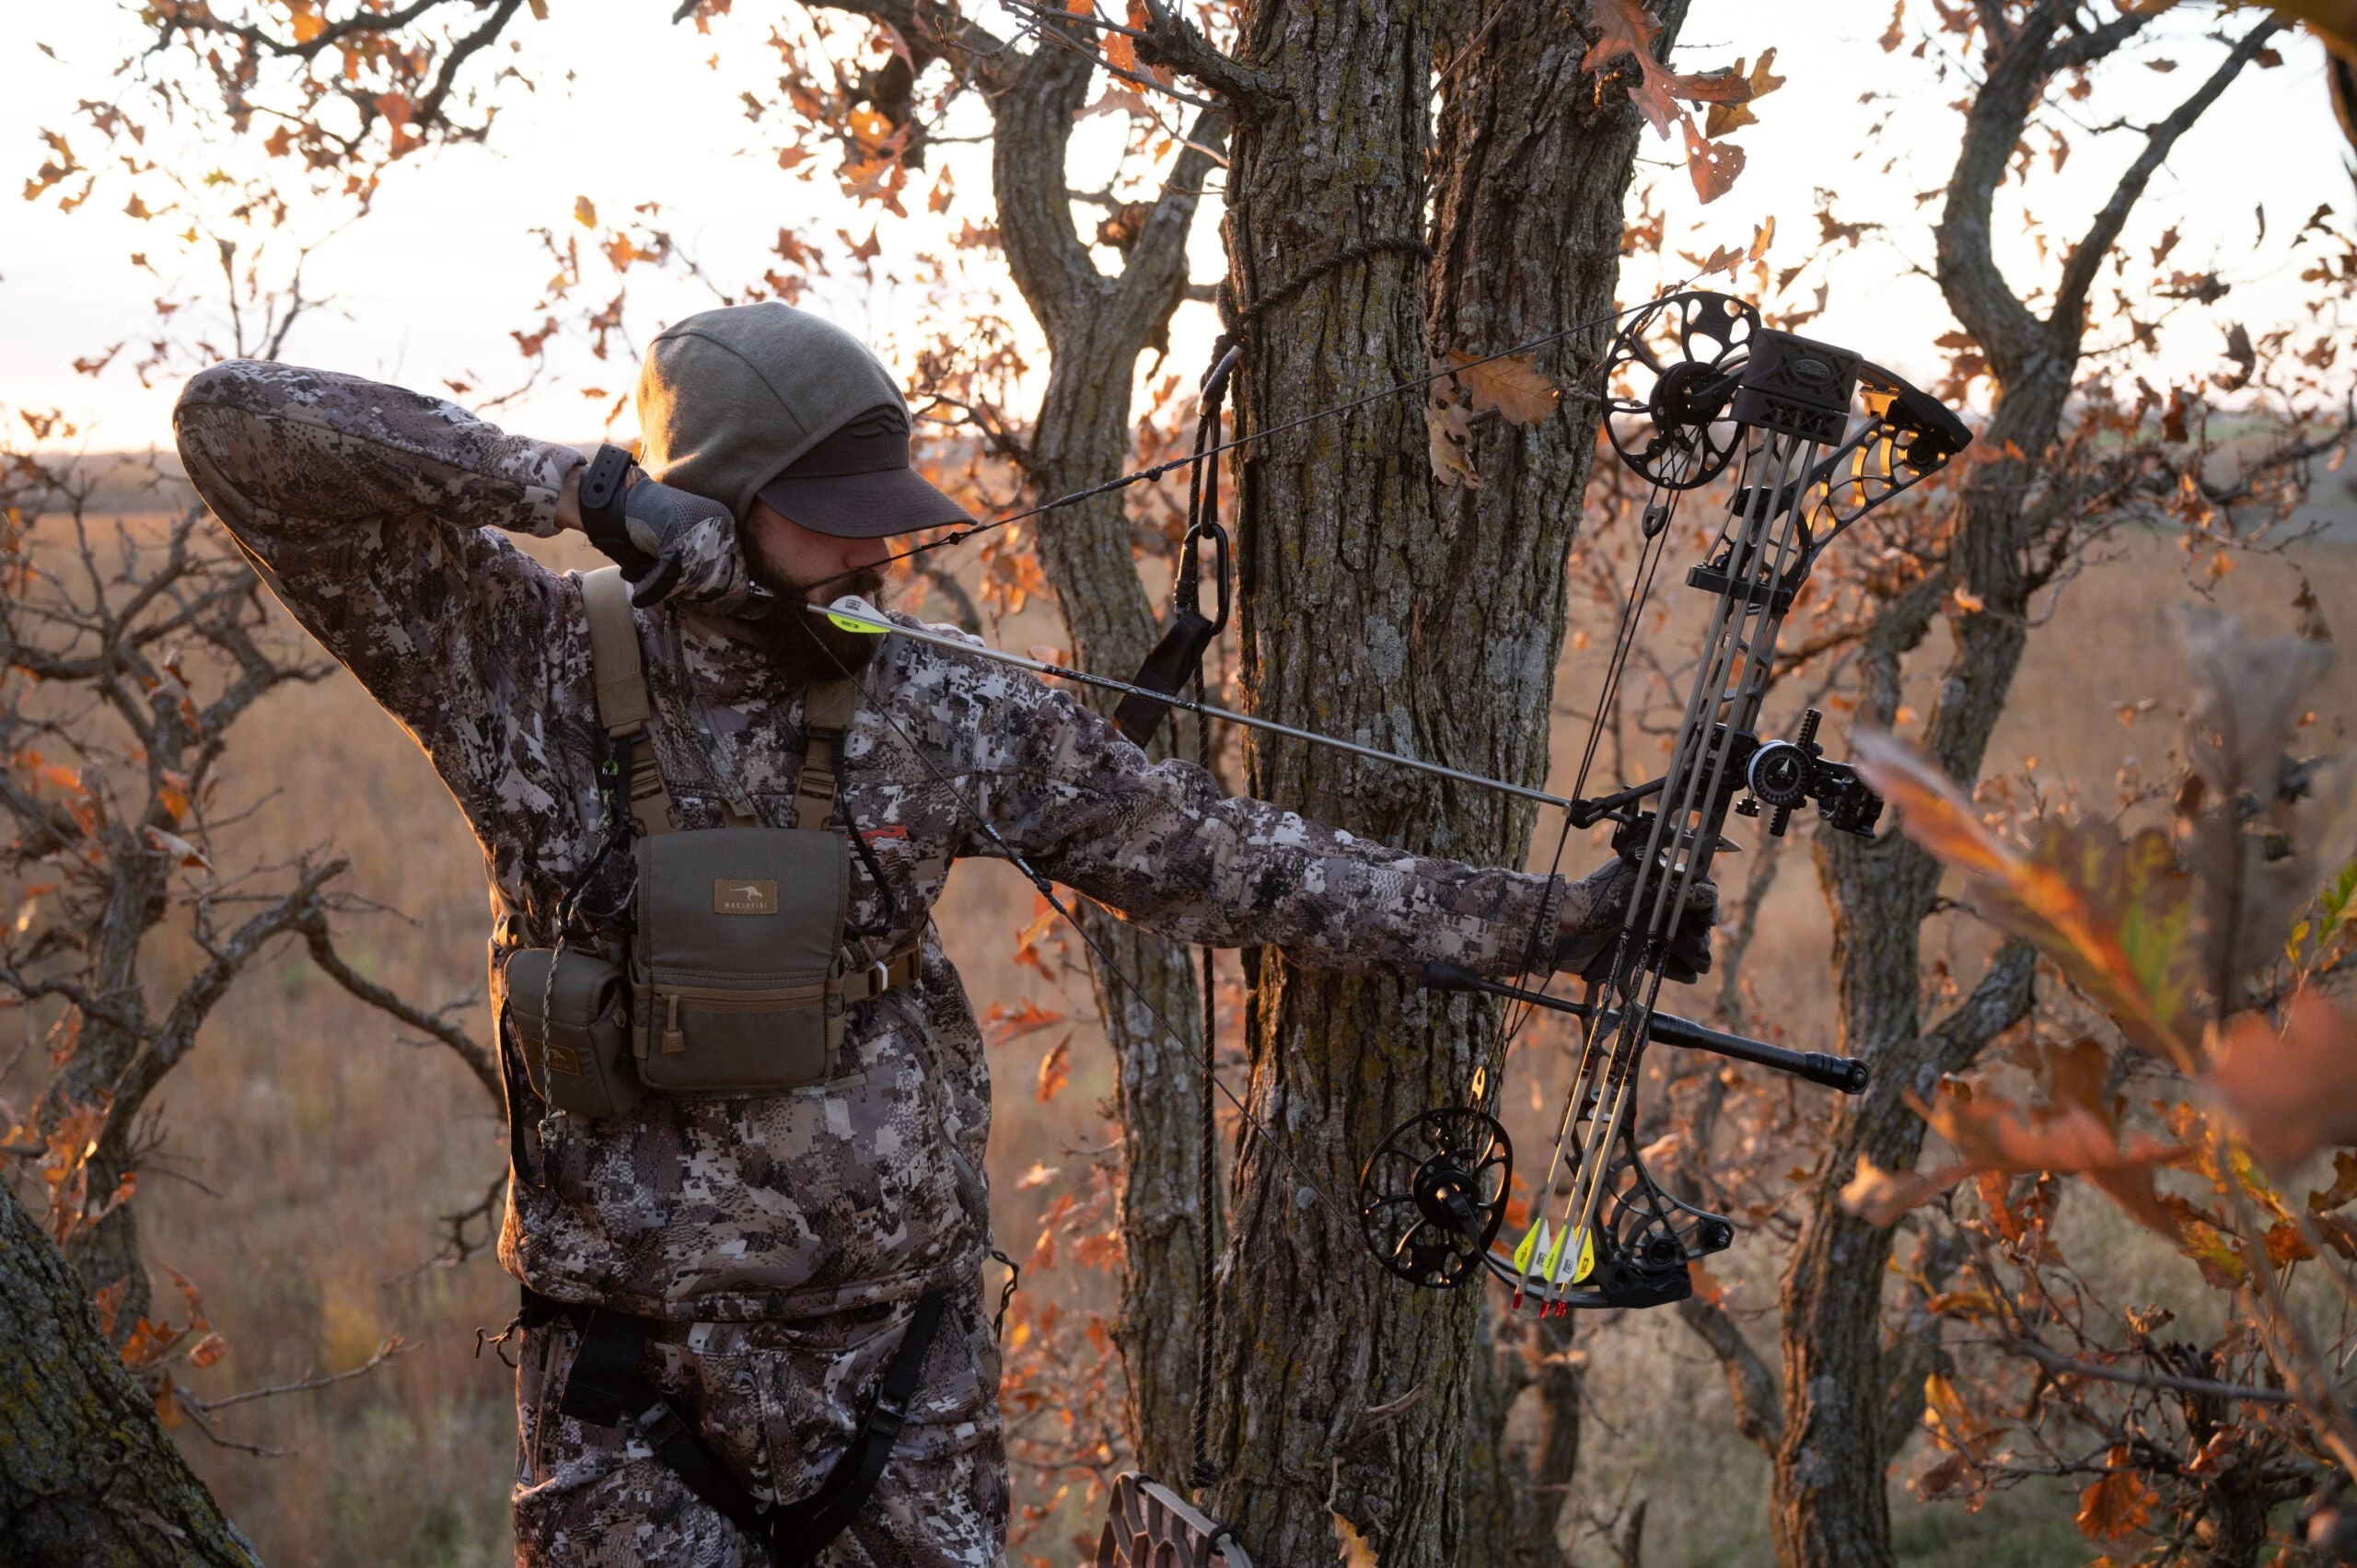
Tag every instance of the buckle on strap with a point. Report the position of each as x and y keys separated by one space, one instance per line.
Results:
x=893 y=972
x=886 y=1417
x=659 y=1425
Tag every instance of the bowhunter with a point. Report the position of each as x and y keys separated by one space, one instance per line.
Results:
x=748 y=1099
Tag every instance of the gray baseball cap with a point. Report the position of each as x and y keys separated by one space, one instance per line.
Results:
x=765 y=402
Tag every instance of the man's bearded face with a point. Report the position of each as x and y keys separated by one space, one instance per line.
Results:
x=802 y=567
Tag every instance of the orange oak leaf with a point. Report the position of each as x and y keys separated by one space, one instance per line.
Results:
x=2116 y=914
x=2113 y=1506
x=2291 y=1091
x=1055 y=1069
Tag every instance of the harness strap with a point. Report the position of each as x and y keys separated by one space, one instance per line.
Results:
x=623 y=702
x=826 y=712
x=801 y=1529
x=606 y=1387
x=897 y=972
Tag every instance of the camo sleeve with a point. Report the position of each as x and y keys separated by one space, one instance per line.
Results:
x=1160 y=844
x=372 y=511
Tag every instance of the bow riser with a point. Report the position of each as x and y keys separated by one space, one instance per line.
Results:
x=1723 y=386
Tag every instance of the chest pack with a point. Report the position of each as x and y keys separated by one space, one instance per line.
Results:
x=736 y=982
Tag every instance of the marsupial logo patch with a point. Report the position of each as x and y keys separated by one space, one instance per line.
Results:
x=737 y=895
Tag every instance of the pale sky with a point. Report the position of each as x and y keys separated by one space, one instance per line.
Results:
x=432 y=284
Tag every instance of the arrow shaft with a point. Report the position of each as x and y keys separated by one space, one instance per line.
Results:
x=872 y=622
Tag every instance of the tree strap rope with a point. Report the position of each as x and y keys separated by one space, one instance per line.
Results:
x=1234 y=323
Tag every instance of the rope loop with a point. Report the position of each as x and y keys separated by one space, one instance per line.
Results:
x=1235 y=323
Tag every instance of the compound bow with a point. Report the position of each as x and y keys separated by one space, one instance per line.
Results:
x=1697 y=385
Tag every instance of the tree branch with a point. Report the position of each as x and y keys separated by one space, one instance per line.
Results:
x=1031 y=109
x=2086 y=48
x=2053 y=1361
x=1758 y=1408
x=479 y=1061
x=2000 y=1000
x=2069 y=317
x=1173 y=40
x=1975 y=286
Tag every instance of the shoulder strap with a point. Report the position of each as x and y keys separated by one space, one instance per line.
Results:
x=827 y=712
x=623 y=704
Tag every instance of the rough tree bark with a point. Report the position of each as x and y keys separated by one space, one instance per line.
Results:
x=1531 y=165
x=1375 y=606
x=89 y=1476
x=1833 y=1439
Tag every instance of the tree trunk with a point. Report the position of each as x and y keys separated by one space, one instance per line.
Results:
x=1830 y=1504
x=1830 y=1499
x=1340 y=1387
x=1532 y=171
x=1377 y=608
x=88 y=1477
x=1097 y=327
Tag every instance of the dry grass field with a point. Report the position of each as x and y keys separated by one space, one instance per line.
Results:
x=310 y=1149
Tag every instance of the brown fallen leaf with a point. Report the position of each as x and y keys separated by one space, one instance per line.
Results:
x=1357 y=1551
x=1055 y=1069
x=2113 y=1506
x=1993 y=1136
x=1879 y=1196
x=1713 y=166
x=2116 y=914
x=1448 y=433
x=1513 y=388
x=1002 y=1023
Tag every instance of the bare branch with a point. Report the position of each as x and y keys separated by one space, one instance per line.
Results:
x=2068 y=318
x=1175 y=42
x=2065 y=1366
x=395 y=1346
x=1758 y=1410
x=2000 y=1000
x=479 y=1061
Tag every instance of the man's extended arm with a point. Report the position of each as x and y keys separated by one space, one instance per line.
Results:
x=1162 y=845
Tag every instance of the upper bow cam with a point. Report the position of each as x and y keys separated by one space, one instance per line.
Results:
x=1816 y=437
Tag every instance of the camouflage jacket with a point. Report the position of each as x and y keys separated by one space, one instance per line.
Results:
x=377 y=515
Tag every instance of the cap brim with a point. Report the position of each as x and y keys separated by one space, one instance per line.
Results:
x=863 y=505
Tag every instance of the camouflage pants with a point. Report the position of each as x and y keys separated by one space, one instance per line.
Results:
x=776 y=1403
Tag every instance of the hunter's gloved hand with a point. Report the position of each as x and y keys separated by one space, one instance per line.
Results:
x=644 y=528
x=1595 y=907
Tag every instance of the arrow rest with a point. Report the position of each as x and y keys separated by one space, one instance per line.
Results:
x=1432 y=1195
x=1646 y=1240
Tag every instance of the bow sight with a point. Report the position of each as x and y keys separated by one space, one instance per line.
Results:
x=1698 y=385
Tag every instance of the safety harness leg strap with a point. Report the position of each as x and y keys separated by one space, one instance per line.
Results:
x=800 y=1530
x=609 y=1387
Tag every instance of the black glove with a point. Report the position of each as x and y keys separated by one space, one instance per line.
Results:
x=1595 y=906
x=638 y=523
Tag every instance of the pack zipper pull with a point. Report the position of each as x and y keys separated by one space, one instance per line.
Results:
x=674 y=1042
